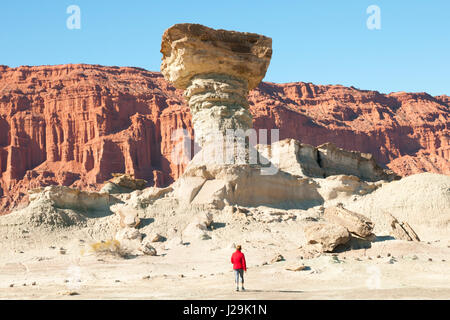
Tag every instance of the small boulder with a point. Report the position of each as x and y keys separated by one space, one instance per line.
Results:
x=205 y=236
x=199 y=227
x=401 y=230
x=194 y=231
x=326 y=236
x=147 y=248
x=177 y=241
x=128 y=234
x=128 y=215
x=155 y=237
x=277 y=258
x=204 y=220
x=297 y=268
x=129 y=241
x=354 y=222
x=127 y=182
x=129 y=219
x=390 y=260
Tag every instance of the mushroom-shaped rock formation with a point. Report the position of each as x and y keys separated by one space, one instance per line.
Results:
x=216 y=68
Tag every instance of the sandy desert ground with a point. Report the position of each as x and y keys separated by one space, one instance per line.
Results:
x=33 y=266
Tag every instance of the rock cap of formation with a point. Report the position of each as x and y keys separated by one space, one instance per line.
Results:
x=192 y=49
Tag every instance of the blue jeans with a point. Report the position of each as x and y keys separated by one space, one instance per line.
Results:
x=237 y=273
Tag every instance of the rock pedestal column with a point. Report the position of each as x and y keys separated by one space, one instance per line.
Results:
x=217 y=102
x=217 y=69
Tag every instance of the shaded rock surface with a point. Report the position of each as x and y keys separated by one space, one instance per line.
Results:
x=402 y=230
x=128 y=215
x=421 y=200
x=323 y=161
x=326 y=236
x=123 y=183
x=354 y=222
x=192 y=49
x=290 y=178
x=69 y=198
x=221 y=185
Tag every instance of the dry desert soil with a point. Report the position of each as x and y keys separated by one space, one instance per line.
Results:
x=33 y=268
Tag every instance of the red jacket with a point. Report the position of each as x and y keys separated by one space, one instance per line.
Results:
x=238 y=260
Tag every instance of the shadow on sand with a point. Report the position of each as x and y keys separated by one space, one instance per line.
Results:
x=218 y=225
x=271 y=291
x=383 y=238
x=145 y=222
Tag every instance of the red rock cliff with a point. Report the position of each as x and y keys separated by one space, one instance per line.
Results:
x=77 y=124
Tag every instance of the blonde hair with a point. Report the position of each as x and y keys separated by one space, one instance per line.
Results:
x=238 y=247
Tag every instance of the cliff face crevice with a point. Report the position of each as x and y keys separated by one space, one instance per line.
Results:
x=76 y=124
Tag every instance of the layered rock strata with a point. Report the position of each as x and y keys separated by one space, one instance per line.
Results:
x=74 y=125
x=216 y=69
x=323 y=161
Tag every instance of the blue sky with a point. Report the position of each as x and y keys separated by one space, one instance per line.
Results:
x=323 y=42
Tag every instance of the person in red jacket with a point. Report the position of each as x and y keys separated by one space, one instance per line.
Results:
x=239 y=266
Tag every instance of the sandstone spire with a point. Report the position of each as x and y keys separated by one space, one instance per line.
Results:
x=216 y=68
